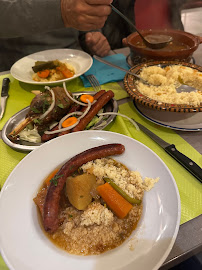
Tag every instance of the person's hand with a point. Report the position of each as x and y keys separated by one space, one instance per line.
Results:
x=85 y=15
x=97 y=43
x=124 y=42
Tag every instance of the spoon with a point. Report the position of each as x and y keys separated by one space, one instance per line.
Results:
x=185 y=88
x=151 y=41
x=181 y=88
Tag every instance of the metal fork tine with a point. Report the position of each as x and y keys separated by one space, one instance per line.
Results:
x=89 y=77
x=94 y=82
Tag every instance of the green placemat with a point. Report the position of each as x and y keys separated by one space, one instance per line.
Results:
x=189 y=187
x=3 y=266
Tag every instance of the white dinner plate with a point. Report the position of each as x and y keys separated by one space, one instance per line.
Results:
x=22 y=69
x=174 y=120
x=23 y=243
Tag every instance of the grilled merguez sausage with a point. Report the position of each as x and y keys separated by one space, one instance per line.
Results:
x=51 y=205
x=48 y=137
x=94 y=110
x=99 y=94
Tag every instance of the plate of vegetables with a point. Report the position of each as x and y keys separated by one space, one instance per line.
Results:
x=56 y=112
x=25 y=238
x=51 y=66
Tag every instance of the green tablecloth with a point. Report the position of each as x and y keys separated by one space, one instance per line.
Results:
x=189 y=187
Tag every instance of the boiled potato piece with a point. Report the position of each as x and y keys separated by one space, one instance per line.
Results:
x=78 y=190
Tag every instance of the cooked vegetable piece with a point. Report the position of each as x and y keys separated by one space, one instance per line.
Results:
x=30 y=134
x=92 y=123
x=67 y=73
x=122 y=193
x=40 y=65
x=69 y=122
x=51 y=175
x=86 y=97
x=44 y=73
x=180 y=80
x=114 y=200
x=78 y=190
x=40 y=62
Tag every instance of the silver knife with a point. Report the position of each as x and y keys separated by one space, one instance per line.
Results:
x=4 y=95
x=186 y=162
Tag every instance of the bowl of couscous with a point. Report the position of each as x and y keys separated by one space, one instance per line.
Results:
x=164 y=78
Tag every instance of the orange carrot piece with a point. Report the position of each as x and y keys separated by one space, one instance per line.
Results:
x=114 y=200
x=44 y=73
x=86 y=97
x=69 y=122
x=65 y=71
x=50 y=176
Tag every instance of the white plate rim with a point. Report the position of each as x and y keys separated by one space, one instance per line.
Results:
x=100 y=134
x=162 y=124
x=66 y=52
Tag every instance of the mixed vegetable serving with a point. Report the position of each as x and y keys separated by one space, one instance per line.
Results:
x=52 y=71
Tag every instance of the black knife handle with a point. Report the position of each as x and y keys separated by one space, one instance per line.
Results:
x=186 y=162
x=5 y=85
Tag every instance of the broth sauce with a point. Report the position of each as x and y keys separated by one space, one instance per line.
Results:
x=173 y=46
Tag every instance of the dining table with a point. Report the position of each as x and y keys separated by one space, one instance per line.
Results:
x=189 y=238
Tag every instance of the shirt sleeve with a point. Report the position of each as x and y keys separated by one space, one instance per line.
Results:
x=20 y=18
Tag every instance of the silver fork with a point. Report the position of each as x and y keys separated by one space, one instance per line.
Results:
x=94 y=82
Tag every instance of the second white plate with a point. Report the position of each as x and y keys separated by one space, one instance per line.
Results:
x=22 y=69
x=173 y=120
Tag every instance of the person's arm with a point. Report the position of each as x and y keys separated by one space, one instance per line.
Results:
x=20 y=18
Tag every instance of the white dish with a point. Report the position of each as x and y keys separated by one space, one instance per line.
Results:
x=22 y=69
x=23 y=243
x=173 y=120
